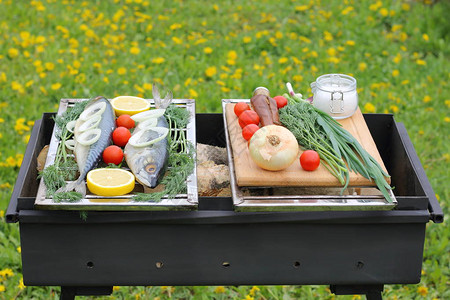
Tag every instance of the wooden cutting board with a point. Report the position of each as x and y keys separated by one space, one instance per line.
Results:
x=249 y=174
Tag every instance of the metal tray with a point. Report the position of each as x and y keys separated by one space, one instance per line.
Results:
x=187 y=201
x=300 y=199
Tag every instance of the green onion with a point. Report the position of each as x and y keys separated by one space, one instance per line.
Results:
x=337 y=148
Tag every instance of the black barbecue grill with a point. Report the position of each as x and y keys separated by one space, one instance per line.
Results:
x=355 y=252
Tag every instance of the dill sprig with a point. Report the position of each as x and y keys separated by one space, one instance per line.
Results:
x=181 y=158
x=64 y=167
x=337 y=148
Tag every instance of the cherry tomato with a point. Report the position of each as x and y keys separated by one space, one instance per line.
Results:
x=309 y=160
x=120 y=136
x=281 y=101
x=112 y=155
x=240 y=107
x=248 y=117
x=125 y=121
x=249 y=130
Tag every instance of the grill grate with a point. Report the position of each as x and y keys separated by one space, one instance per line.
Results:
x=300 y=198
x=187 y=201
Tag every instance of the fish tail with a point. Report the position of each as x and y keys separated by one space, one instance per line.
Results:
x=81 y=188
x=78 y=186
x=68 y=187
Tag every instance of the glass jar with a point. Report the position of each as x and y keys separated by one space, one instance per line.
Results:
x=336 y=95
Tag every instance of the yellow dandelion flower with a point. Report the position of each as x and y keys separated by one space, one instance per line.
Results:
x=403 y=36
x=56 y=86
x=327 y=36
x=395 y=73
x=384 y=12
x=211 y=71
x=347 y=10
x=397 y=58
x=121 y=71
x=362 y=66
x=29 y=83
x=246 y=39
x=331 y=52
x=369 y=108
x=147 y=86
x=426 y=99
x=3 y=77
x=2 y=288
x=175 y=26
x=406 y=6
x=177 y=40
x=301 y=8
x=219 y=290
x=394 y=108
x=405 y=82
x=447 y=119
x=40 y=39
x=225 y=89
x=421 y=62
x=207 y=50
x=158 y=60
x=105 y=79
x=13 y=52
x=193 y=94
x=216 y=7
x=21 y=286
x=17 y=87
x=283 y=60
x=135 y=50
x=6 y=273
x=350 y=43
x=232 y=55
x=116 y=288
x=231 y=62
x=422 y=290
x=49 y=66
x=425 y=37
x=297 y=78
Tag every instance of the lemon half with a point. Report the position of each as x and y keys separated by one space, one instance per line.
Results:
x=129 y=105
x=110 y=182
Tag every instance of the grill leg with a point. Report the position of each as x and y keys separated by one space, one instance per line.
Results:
x=69 y=292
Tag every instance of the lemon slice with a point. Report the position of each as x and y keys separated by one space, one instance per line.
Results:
x=129 y=105
x=110 y=181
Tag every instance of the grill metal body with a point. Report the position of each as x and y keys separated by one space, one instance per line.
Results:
x=352 y=251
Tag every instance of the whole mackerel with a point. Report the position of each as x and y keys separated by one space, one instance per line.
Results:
x=87 y=157
x=149 y=163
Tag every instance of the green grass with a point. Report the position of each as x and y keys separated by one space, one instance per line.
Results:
x=397 y=50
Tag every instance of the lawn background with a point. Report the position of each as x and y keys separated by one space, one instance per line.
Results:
x=397 y=50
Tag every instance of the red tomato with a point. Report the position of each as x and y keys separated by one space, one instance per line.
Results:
x=125 y=121
x=112 y=155
x=240 y=107
x=249 y=130
x=248 y=117
x=120 y=136
x=281 y=101
x=309 y=160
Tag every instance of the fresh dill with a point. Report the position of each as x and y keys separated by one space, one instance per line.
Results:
x=181 y=158
x=337 y=148
x=64 y=167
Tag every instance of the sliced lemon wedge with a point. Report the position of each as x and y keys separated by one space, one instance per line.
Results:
x=129 y=105
x=110 y=181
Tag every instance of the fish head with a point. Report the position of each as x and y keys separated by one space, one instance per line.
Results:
x=148 y=171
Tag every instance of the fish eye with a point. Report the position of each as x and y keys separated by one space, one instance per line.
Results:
x=150 y=168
